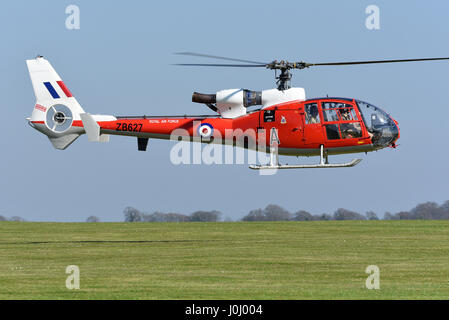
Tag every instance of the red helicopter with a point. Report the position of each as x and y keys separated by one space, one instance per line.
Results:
x=276 y=121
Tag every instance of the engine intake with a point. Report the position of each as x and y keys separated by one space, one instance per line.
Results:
x=204 y=98
x=250 y=98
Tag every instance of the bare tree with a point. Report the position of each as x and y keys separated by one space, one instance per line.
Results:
x=389 y=216
x=344 y=214
x=2 y=218
x=176 y=217
x=370 y=215
x=270 y=213
x=205 y=216
x=303 y=215
x=322 y=217
x=254 y=215
x=429 y=210
x=17 y=219
x=132 y=215
x=276 y=213
x=153 y=217
x=92 y=219
x=445 y=206
x=166 y=217
x=426 y=210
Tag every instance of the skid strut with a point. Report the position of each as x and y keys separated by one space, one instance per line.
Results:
x=324 y=163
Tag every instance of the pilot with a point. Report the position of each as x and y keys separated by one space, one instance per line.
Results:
x=313 y=114
x=350 y=130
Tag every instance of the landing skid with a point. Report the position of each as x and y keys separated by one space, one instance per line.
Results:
x=274 y=164
x=307 y=166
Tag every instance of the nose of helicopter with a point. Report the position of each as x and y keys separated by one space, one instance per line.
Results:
x=389 y=134
x=397 y=134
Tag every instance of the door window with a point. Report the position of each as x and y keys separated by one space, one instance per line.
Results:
x=332 y=132
x=330 y=115
x=351 y=130
x=312 y=115
x=347 y=114
x=348 y=126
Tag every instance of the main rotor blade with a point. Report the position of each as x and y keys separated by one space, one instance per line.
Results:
x=216 y=57
x=218 y=65
x=369 y=62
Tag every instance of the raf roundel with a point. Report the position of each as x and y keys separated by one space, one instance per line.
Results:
x=205 y=130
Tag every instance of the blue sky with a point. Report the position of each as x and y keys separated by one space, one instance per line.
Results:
x=119 y=63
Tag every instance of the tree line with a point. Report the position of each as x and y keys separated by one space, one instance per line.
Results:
x=272 y=212
x=15 y=218
x=134 y=215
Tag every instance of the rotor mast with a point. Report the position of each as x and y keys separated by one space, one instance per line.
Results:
x=283 y=80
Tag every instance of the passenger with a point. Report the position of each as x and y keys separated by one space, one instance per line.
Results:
x=345 y=114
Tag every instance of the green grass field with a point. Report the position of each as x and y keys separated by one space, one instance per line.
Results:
x=236 y=260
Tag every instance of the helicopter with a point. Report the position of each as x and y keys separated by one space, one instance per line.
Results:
x=278 y=121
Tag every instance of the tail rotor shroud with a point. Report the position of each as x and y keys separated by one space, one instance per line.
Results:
x=59 y=118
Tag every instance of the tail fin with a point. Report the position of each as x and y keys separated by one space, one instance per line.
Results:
x=56 y=108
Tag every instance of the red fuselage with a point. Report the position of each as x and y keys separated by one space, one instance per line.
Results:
x=301 y=127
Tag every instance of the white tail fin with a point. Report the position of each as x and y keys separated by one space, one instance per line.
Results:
x=48 y=87
x=56 y=109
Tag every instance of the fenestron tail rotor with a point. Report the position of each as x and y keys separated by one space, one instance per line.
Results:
x=284 y=78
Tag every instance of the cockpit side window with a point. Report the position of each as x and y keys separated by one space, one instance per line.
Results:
x=335 y=105
x=312 y=115
x=351 y=130
x=336 y=111
x=349 y=125
x=330 y=115
x=347 y=114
